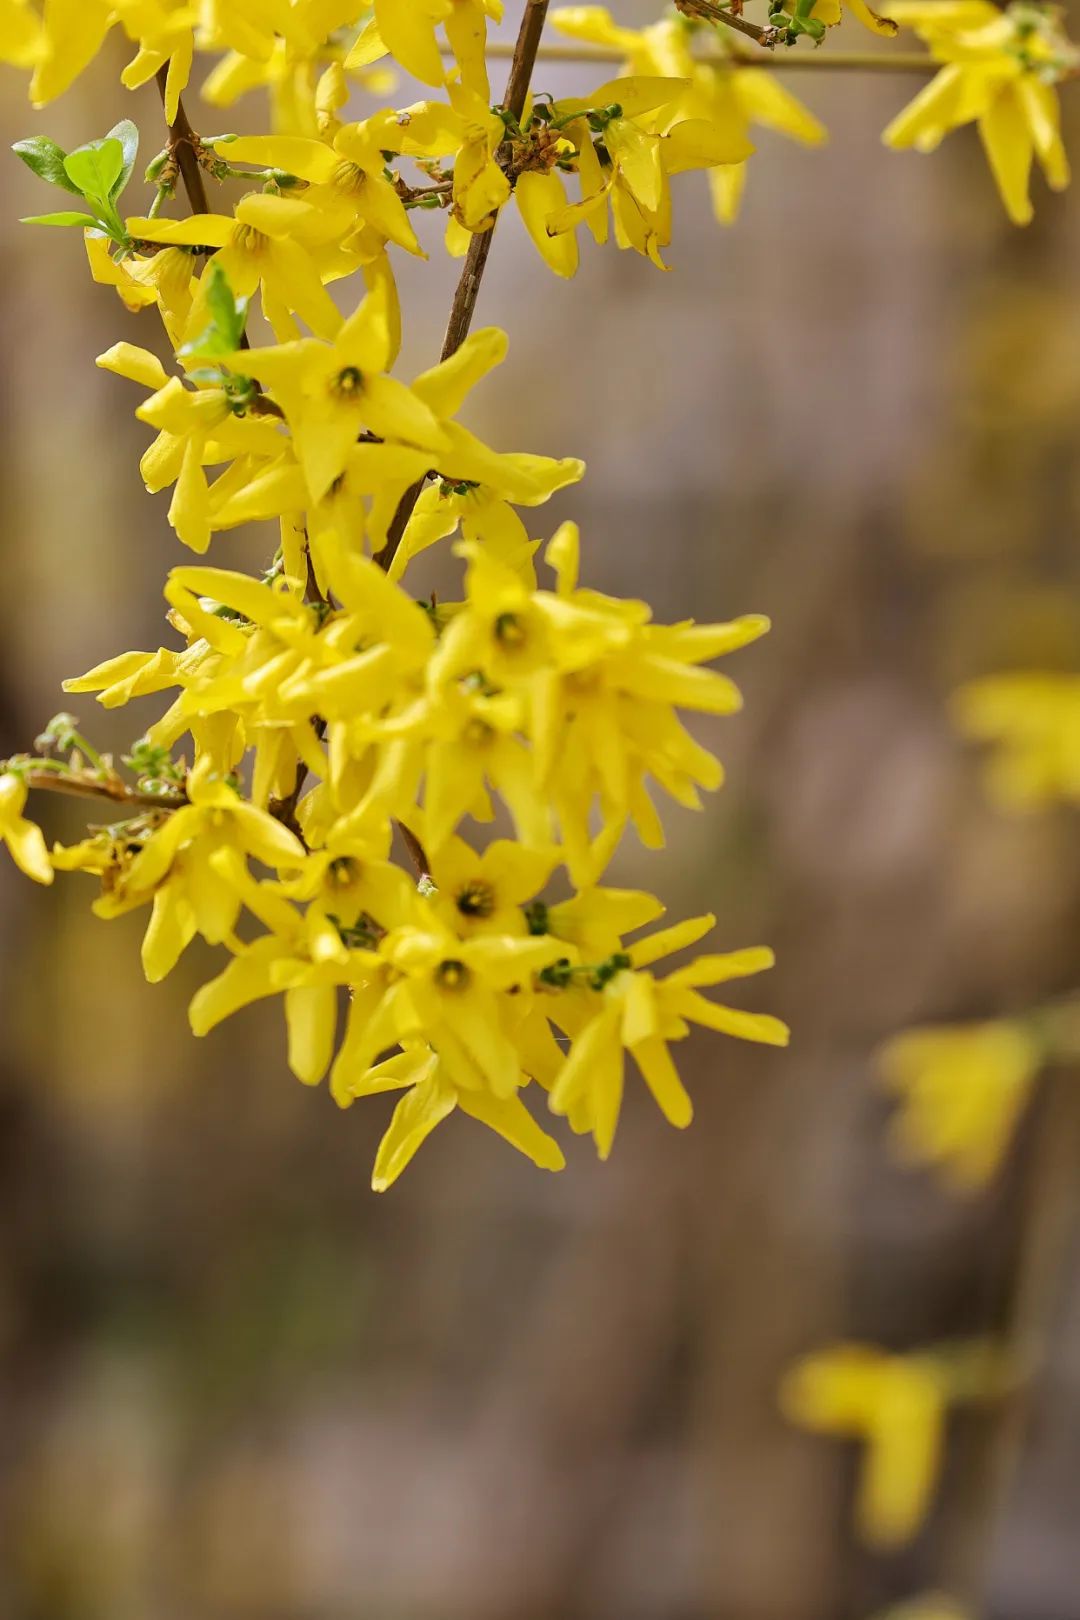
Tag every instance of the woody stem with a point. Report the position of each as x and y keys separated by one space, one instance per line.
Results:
x=468 y=288
x=183 y=146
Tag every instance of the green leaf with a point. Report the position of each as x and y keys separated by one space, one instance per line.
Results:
x=229 y=312
x=61 y=219
x=96 y=167
x=126 y=133
x=228 y=319
x=44 y=158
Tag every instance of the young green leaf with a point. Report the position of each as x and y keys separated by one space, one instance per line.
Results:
x=96 y=167
x=228 y=317
x=229 y=312
x=44 y=158
x=126 y=133
x=64 y=218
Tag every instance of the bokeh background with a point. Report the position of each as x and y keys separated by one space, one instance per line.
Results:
x=236 y=1384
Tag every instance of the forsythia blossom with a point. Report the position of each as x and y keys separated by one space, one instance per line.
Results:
x=1032 y=722
x=897 y=1406
x=961 y=1091
x=999 y=71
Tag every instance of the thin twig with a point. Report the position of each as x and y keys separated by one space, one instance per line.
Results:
x=468 y=287
x=825 y=60
x=111 y=788
x=705 y=11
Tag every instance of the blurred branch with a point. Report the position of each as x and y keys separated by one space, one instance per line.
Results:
x=823 y=61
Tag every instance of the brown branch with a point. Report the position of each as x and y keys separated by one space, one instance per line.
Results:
x=468 y=287
x=184 y=146
x=705 y=11
x=524 y=59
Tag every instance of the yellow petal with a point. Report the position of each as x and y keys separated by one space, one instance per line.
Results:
x=1010 y=148
x=539 y=198
x=311 y=1017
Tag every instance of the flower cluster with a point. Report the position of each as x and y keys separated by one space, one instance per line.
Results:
x=325 y=717
x=359 y=708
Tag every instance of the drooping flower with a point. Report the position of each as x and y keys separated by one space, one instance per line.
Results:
x=961 y=1091
x=1000 y=68
x=24 y=838
x=897 y=1406
x=1032 y=722
x=730 y=97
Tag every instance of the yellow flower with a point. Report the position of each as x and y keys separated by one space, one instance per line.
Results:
x=408 y=32
x=164 y=279
x=731 y=99
x=22 y=40
x=830 y=12
x=485 y=893
x=72 y=34
x=632 y=135
x=457 y=994
x=601 y=686
x=897 y=1406
x=635 y=1012
x=190 y=866
x=334 y=393
x=432 y=1096
x=1033 y=722
x=999 y=72
x=961 y=1090
x=459 y=740
x=929 y=1606
x=23 y=839
x=345 y=177
x=303 y=101
x=274 y=243
x=484 y=514
x=283 y=963
x=196 y=427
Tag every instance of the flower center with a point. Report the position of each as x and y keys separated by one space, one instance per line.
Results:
x=348 y=178
x=509 y=630
x=476 y=899
x=477 y=732
x=452 y=975
x=249 y=240
x=348 y=383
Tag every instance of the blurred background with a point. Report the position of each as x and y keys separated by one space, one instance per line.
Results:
x=236 y=1384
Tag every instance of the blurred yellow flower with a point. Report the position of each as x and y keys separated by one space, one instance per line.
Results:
x=1034 y=720
x=897 y=1405
x=928 y=1606
x=23 y=839
x=961 y=1092
x=1000 y=69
